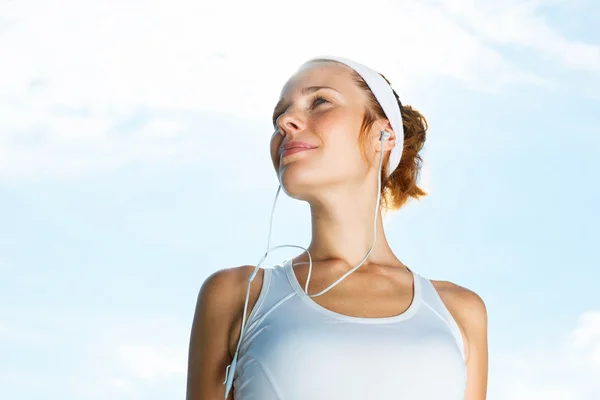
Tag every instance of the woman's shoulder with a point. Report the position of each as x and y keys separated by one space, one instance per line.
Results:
x=234 y=282
x=219 y=301
x=463 y=303
x=224 y=292
x=466 y=307
x=462 y=299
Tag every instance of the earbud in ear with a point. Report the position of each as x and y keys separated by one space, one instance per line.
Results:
x=385 y=135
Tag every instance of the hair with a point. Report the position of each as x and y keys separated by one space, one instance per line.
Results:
x=401 y=185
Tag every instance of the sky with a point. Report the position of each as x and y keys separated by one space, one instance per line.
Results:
x=134 y=162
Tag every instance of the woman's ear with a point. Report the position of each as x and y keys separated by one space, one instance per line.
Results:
x=389 y=143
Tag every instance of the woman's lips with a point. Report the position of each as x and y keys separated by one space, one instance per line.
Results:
x=294 y=150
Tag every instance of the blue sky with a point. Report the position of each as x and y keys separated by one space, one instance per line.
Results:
x=134 y=162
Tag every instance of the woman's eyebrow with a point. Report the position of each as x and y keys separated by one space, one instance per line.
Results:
x=308 y=89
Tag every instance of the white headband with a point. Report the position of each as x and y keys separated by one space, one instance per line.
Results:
x=385 y=96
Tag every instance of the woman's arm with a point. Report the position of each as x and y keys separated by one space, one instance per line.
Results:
x=474 y=317
x=469 y=311
x=209 y=339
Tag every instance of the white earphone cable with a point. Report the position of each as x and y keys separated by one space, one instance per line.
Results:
x=230 y=370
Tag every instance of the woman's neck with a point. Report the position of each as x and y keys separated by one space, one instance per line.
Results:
x=342 y=231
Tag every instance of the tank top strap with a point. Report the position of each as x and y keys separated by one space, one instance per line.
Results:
x=433 y=301
x=275 y=286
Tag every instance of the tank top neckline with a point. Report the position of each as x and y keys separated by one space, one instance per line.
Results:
x=409 y=312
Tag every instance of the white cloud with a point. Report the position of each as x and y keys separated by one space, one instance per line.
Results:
x=520 y=23
x=152 y=362
x=122 y=385
x=16 y=333
x=114 y=363
x=73 y=72
x=585 y=339
x=567 y=370
x=67 y=147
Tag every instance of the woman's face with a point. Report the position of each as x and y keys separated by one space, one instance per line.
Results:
x=327 y=119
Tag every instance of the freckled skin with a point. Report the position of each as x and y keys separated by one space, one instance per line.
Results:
x=333 y=125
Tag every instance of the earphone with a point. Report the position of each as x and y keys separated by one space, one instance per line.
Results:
x=230 y=370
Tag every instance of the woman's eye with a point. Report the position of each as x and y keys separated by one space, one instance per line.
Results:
x=317 y=98
x=314 y=104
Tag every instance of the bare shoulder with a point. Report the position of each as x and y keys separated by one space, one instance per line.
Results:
x=460 y=297
x=220 y=299
x=227 y=289
x=226 y=278
x=470 y=313
x=467 y=308
x=224 y=291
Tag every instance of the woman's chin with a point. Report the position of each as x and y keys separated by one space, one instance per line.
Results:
x=298 y=182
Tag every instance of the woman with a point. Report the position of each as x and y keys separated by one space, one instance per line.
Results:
x=372 y=327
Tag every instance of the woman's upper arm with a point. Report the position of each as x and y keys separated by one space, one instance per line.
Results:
x=469 y=311
x=209 y=354
x=474 y=318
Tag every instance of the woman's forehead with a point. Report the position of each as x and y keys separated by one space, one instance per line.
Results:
x=331 y=74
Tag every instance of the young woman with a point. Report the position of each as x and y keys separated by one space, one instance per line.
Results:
x=371 y=328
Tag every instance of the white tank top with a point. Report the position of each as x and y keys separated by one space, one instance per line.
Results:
x=295 y=349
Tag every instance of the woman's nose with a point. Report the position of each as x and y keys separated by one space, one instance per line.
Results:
x=289 y=122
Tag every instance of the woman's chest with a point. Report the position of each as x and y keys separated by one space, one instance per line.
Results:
x=333 y=359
